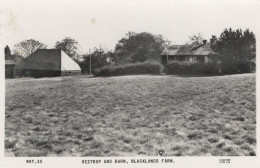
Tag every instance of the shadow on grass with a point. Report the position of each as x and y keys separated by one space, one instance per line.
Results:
x=205 y=75
x=173 y=75
x=127 y=75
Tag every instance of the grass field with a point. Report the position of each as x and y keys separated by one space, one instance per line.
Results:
x=131 y=116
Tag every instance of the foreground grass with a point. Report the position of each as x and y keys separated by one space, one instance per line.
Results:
x=130 y=116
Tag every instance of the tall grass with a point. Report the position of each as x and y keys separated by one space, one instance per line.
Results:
x=155 y=115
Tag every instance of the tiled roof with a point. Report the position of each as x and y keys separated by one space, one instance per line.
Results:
x=188 y=50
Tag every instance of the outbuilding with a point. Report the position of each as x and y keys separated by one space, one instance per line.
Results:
x=11 y=60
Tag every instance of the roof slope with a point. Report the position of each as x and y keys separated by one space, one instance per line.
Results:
x=189 y=50
x=67 y=63
x=48 y=59
x=43 y=59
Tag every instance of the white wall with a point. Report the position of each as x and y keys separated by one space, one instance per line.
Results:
x=67 y=63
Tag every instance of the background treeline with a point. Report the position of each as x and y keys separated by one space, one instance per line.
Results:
x=236 y=50
x=139 y=53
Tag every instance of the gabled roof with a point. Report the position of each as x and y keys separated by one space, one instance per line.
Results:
x=189 y=50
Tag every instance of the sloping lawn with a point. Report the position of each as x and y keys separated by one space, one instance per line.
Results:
x=130 y=116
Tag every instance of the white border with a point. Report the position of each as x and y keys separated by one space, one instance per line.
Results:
x=210 y=161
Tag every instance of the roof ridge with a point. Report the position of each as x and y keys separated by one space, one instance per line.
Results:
x=48 y=49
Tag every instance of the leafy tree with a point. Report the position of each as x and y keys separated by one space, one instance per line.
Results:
x=99 y=57
x=236 y=48
x=27 y=47
x=70 y=46
x=139 y=47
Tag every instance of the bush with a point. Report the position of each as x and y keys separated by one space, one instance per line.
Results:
x=148 y=67
x=175 y=67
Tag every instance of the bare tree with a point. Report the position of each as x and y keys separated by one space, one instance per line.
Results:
x=27 y=47
x=196 y=39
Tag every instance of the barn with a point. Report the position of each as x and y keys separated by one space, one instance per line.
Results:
x=48 y=63
x=201 y=53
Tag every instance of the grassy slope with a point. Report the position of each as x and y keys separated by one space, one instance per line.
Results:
x=131 y=115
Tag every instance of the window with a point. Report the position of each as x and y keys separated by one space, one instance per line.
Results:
x=206 y=60
x=192 y=59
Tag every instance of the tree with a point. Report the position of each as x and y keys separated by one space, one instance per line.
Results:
x=236 y=48
x=70 y=46
x=139 y=47
x=196 y=39
x=99 y=57
x=27 y=47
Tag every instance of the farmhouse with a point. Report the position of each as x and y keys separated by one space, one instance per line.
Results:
x=48 y=63
x=191 y=53
x=10 y=62
x=9 y=68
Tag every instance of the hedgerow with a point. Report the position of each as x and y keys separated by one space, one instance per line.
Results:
x=147 y=67
x=180 y=68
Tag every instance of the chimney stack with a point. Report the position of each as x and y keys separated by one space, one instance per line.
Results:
x=7 y=52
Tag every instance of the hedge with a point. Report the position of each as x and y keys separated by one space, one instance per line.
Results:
x=148 y=67
x=181 y=68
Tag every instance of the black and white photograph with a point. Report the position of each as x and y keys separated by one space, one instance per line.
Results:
x=129 y=79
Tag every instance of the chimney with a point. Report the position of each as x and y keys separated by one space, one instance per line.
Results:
x=7 y=52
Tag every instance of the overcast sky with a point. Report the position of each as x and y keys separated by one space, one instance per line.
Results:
x=93 y=23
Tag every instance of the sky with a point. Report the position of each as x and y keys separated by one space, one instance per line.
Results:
x=95 y=23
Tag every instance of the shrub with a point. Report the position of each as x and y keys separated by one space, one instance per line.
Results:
x=176 y=67
x=148 y=67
